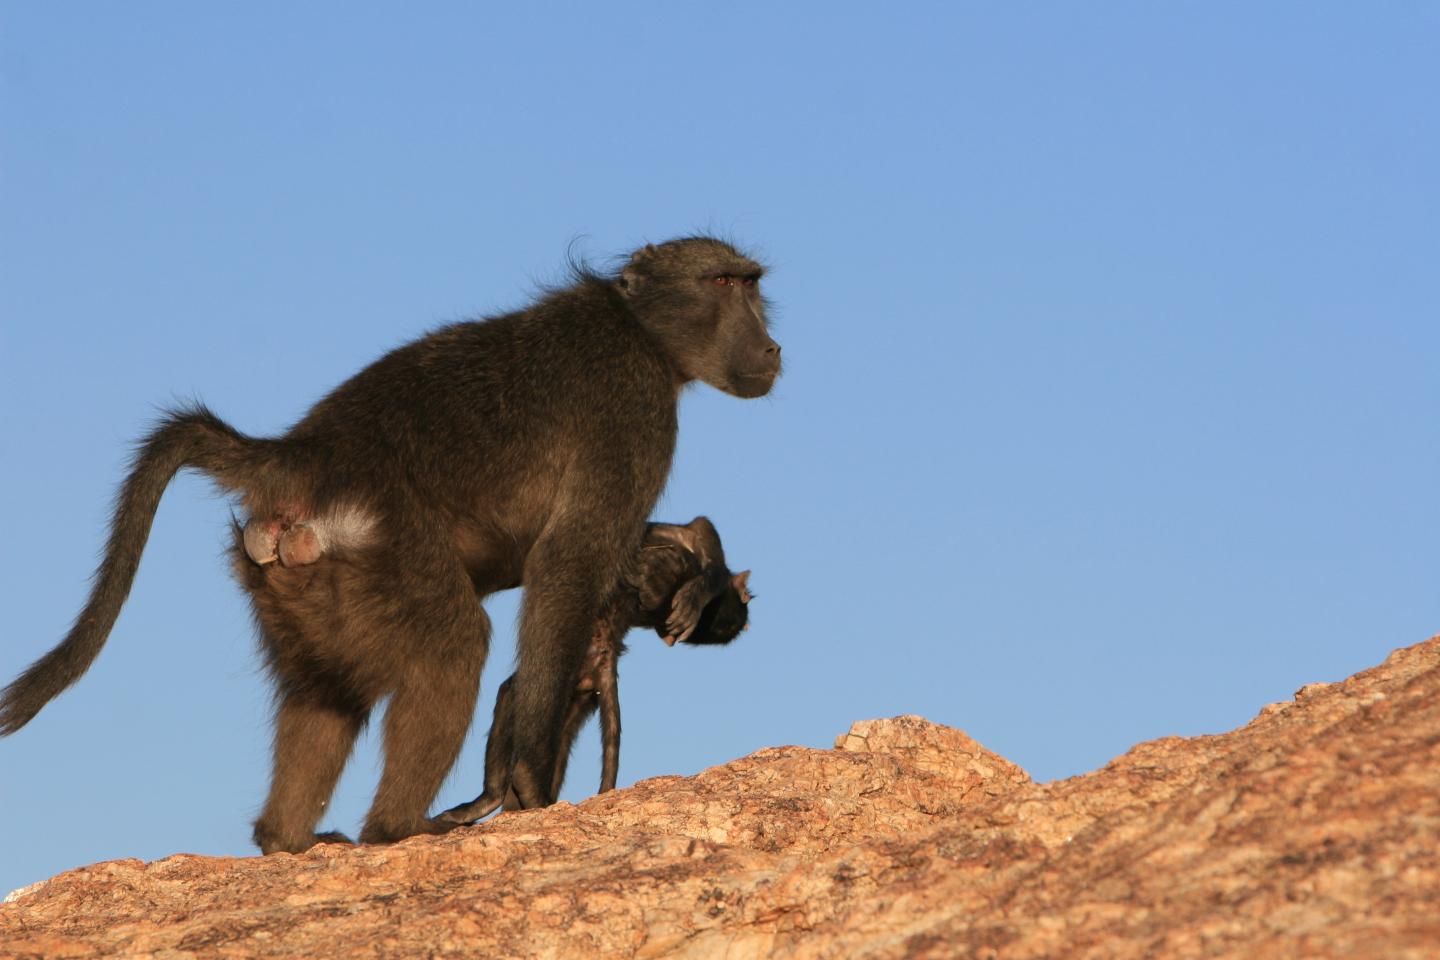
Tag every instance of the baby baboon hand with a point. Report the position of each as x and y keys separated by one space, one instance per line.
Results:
x=685 y=611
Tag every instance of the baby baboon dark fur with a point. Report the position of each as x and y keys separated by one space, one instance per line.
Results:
x=526 y=448
x=675 y=560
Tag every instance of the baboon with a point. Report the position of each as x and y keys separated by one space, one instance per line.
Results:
x=678 y=563
x=527 y=448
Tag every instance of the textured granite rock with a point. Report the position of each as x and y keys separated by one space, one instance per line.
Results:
x=1313 y=831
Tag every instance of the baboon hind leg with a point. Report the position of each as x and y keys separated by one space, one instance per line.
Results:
x=313 y=738
x=425 y=726
x=444 y=634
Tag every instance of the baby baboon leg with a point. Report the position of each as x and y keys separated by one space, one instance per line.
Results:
x=313 y=739
x=582 y=705
x=608 y=695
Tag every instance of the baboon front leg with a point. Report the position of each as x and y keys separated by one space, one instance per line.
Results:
x=563 y=595
x=313 y=739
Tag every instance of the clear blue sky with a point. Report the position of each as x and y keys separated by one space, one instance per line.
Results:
x=1112 y=332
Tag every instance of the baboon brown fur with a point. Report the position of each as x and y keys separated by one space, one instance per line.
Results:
x=684 y=591
x=525 y=448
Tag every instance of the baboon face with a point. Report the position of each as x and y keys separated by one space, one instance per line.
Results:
x=728 y=614
x=702 y=298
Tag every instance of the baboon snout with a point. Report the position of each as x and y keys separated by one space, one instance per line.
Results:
x=771 y=357
x=762 y=356
x=757 y=372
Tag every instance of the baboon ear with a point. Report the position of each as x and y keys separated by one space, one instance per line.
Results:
x=741 y=582
x=630 y=277
x=629 y=280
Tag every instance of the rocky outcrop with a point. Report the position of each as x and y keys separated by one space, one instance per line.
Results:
x=1313 y=831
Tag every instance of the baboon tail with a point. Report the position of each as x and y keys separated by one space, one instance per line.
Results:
x=193 y=437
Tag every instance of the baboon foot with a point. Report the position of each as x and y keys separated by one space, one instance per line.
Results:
x=333 y=836
x=276 y=841
x=481 y=806
x=378 y=833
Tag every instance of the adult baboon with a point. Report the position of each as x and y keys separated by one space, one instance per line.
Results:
x=684 y=591
x=526 y=448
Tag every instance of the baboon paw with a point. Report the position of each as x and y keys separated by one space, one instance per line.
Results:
x=390 y=834
x=438 y=825
x=333 y=836
x=481 y=806
x=279 y=841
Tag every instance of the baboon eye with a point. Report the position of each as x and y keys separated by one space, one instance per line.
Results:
x=750 y=281
x=724 y=280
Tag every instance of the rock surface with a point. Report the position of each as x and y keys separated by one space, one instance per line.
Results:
x=1313 y=831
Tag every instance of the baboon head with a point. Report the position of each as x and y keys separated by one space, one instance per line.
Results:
x=727 y=615
x=701 y=298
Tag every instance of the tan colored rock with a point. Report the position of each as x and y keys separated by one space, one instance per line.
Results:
x=1313 y=831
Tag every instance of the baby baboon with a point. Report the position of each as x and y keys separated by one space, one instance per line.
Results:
x=675 y=560
x=526 y=448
